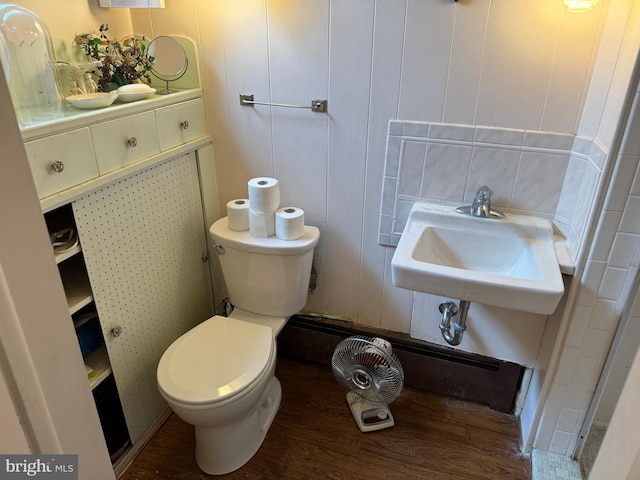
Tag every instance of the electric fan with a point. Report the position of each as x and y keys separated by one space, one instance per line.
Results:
x=373 y=376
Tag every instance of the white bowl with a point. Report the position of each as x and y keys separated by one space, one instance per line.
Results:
x=92 y=100
x=135 y=96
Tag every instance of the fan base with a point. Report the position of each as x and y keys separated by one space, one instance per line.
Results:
x=369 y=416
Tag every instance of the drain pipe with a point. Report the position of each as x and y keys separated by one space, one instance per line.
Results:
x=448 y=311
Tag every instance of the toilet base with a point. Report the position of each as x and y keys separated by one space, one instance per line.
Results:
x=222 y=450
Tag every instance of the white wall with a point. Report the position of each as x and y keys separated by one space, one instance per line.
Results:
x=513 y=64
x=67 y=18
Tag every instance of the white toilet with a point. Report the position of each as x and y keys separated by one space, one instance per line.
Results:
x=220 y=375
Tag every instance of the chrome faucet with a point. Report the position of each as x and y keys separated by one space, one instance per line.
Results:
x=481 y=206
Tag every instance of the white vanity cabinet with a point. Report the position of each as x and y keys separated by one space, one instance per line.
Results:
x=124 y=141
x=141 y=262
x=61 y=161
x=180 y=123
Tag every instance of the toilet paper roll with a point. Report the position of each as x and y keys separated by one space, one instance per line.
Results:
x=262 y=224
x=238 y=214
x=289 y=223
x=264 y=194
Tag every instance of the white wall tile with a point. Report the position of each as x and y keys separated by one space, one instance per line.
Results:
x=578 y=396
x=560 y=442
x=627 y=352
x=623 y=249
x=539 y=182
x=591 y=280
x=584 y=201
x=630 y=221
x=567 y=419
x=443 y=131
x=411 y=167
x=568 y=201
x=595 y=346
x=603 y=315
x=567 y=365
x=389 y=188
x=631 y=140
x=445 y=170
x=606 y=233
x=415 y=129
x=577 y=326
x=548 y=140
x=496 y=168
x=499 y=136
x=621 y=182
x=612 y=283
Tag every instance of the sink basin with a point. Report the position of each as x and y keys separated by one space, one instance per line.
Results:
x=509 y=263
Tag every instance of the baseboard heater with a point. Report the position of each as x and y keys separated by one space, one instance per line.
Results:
x=427 y=367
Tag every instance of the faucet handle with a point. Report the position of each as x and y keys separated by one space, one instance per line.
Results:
x=483 y=193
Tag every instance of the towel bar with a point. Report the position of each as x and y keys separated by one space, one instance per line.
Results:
x=316 y=105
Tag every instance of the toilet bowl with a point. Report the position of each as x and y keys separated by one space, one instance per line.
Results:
x=220 y=375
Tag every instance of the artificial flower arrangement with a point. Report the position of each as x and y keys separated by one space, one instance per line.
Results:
x=121 y=61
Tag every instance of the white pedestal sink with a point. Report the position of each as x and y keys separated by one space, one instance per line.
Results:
x=509 y=262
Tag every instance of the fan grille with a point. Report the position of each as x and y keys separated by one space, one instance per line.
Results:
x=363 y=367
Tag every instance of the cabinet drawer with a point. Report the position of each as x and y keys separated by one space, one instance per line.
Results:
x=74 y=151
x=126 y=140
x=180 y=123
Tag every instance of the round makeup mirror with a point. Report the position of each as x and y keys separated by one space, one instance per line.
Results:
x=169 y=60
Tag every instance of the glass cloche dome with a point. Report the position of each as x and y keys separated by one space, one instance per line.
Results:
x=27 y=58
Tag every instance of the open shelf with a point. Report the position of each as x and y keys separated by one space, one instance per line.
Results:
x=76 y=283
x=99 y=361
x=61 y=257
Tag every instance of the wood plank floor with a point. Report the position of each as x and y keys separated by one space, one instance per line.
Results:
x=314 y=437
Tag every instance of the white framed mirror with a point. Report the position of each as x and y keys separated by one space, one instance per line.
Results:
x=169 y=60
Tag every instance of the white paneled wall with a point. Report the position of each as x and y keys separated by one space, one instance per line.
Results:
x=513 y=64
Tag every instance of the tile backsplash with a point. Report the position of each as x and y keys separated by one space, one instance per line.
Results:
x=545 y=174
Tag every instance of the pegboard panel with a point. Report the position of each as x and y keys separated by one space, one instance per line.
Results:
x=143 y=239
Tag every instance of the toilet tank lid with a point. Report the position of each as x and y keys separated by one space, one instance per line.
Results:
x=215 y=360
x=272 y=245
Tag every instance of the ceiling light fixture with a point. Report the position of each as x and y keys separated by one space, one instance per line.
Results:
x=578 y=6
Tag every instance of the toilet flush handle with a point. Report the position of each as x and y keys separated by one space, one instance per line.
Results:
x=219 y=249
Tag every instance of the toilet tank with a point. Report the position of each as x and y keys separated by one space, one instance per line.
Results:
x=266 y=276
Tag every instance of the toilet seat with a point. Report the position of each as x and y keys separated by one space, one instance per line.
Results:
x=216 y=360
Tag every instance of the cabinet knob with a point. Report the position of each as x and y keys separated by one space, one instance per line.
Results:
x=184 y=124
x=57 y=166
x=116 y=331
x=132 y=142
